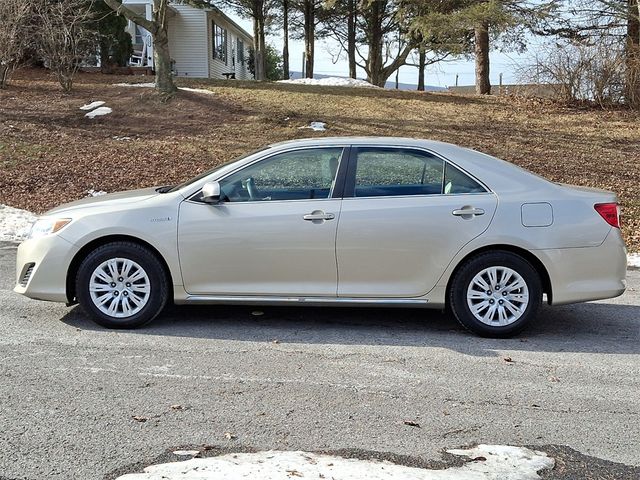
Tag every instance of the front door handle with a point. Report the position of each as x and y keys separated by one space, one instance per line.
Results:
x=318 y=215
x=468 y=212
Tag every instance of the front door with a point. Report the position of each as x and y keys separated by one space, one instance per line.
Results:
x=273 y=233
x=405 y=215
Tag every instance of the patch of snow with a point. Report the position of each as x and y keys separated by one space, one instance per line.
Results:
x=186 y=453
x=122 y=139
x=95 y=193
x=136 y=85
x=196 y=90
x=92 y=105
x=151 y=85
x=15 y=224
x=633 y=260
x=491 y=462
x=98 y=112
x=331 y=82
x=316 y=126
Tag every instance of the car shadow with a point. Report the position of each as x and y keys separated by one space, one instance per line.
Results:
x=589 y=328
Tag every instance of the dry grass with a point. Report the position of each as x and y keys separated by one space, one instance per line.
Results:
x=49 y=153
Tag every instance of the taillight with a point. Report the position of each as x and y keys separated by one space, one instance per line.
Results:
x=610 y=212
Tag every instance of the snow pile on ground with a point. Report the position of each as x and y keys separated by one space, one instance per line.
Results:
x=136 y=85
x=95 y=109
x=493 y=462
x=196 y=90
x=92 y=105
x=331 y=82
x=95 y=193
x=316 y=126
x=15 y=223
x=151 y=85
x=633 y=260
x=99 y=112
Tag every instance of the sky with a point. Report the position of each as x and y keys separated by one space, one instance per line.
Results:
x=442 y=74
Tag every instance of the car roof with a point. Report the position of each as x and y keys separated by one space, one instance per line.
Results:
x=362 y=140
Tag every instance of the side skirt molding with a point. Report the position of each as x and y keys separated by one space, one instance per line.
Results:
x=314 y=301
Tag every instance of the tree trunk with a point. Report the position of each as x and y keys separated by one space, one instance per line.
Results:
x=162 y=62
x=351 y=38
x=309 y=36
x=259 y=44
x=66 y=81
x=483 y=85
x=158 y=29
x=285 y=33
x=422 y=60
x=4 y=75
x=632 y=74
x=375 y=64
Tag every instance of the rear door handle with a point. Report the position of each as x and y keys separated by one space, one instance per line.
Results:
x=318 y=215
x=463 y=212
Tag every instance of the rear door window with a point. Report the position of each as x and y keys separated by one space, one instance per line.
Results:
x=397 y=172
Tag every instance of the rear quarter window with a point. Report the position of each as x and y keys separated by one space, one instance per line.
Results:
x=456 y=182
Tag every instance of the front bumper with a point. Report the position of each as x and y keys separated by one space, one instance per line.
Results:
x=585 y=274
x=51 y=257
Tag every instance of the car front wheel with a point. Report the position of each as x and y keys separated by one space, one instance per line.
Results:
x=496 y=294
x=122 y=285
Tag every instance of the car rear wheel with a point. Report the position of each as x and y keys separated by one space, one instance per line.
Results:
x=122 y=285
x=496 y=294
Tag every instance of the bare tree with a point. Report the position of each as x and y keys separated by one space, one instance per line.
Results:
x=64 y=36
x=14 y=21
x=582 y=71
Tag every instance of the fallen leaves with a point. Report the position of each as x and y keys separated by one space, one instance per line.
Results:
x=140 y=418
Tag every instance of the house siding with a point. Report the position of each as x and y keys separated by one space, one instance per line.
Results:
x=216 y=66
x=191 y=41
x=187 y=41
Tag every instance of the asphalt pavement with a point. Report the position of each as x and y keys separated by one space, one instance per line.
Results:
x=80 y=401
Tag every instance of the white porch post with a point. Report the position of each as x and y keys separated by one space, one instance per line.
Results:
x=149 y=40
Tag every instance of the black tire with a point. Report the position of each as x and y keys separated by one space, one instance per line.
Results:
x=464 y=277
x=158 y=280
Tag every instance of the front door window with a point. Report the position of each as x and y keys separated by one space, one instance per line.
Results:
x=304 y=174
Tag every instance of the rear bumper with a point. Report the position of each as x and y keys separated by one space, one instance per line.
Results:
x=585 y=274
x=51 y=257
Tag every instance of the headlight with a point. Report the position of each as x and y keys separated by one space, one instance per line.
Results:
x=47 y=226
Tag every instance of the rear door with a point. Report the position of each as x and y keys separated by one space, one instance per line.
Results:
x=405 y=215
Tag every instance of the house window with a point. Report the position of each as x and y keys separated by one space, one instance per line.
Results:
x=139 y=38
x=240 y=54
x=219 y=42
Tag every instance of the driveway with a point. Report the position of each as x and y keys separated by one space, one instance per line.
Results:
x=79 y=401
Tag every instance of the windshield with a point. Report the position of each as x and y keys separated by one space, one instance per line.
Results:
x=213 y=170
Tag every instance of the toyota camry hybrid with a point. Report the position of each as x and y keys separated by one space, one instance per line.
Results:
x=335 y=221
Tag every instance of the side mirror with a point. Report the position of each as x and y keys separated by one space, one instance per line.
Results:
x=211 y=192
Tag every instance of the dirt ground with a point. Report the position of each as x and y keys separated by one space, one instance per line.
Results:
x=50 y=153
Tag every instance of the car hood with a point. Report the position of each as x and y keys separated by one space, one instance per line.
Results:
x=108 y=200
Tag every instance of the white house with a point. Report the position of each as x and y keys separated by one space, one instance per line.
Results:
x=204 y=43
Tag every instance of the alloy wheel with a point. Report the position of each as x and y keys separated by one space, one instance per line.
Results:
x=498 y=296
x=119 y=287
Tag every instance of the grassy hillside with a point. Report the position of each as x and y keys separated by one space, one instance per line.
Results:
x=50 y=153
